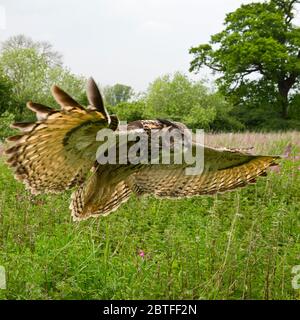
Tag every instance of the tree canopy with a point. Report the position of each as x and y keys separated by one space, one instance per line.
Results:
x=117 y=93
x=44 y=48
x=179 y=98
x=256 y=57
x=176 y=97
x=28 y=71
x=6 y=92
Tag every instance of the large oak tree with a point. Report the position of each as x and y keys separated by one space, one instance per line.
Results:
x=257 y=55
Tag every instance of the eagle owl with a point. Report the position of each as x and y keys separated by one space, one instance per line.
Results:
x=57 y=152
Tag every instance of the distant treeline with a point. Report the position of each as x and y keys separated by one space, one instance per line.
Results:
x=28 y=69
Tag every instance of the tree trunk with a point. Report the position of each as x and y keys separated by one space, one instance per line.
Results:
x=284 y=87
x=283 y=102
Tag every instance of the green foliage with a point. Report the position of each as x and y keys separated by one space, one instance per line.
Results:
x=31 y=70
x=238 y=245
x=26 y=70
x=180 y=99
x=294 y=109
x=117 y=93
x=130 y=111
x=259 y=47
x=43 y=48
x=177 y=98
x=6 y=94
x=225 y=119
x=6 y=119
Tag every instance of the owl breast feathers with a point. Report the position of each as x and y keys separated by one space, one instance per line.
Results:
x=59 y=151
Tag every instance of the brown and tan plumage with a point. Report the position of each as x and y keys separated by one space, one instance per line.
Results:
x=58 y=152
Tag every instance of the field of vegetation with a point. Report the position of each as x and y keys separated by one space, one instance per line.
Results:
x=238 y=245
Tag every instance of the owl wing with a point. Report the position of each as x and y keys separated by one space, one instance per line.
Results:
x=57 y=151
x=224 y=170
x=111 y=185
x=103 y=192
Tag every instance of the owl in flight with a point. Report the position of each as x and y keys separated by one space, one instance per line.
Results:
x=58 y=152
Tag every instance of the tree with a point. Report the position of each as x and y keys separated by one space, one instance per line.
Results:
x=43 y=48
x=30 y=73
x=117 y=93
x=130 y=111
x=178 y=98
x=6 y=93
x=26 y=70
x=257 y=54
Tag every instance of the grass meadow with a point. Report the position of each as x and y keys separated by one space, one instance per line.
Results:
x=238 y=245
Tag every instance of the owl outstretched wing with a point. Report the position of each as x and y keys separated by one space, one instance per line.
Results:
x=172 y=181
x=112 y=185
x=57 y=151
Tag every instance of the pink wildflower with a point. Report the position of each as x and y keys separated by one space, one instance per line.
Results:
x=142 y=253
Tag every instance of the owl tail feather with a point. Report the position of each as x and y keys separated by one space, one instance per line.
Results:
x=98 y=195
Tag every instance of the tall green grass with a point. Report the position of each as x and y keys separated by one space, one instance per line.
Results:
x=238 y=245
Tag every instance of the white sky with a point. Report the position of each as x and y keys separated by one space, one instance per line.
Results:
x=119 y=41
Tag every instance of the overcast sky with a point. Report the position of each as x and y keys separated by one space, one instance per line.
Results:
x=119 y=41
